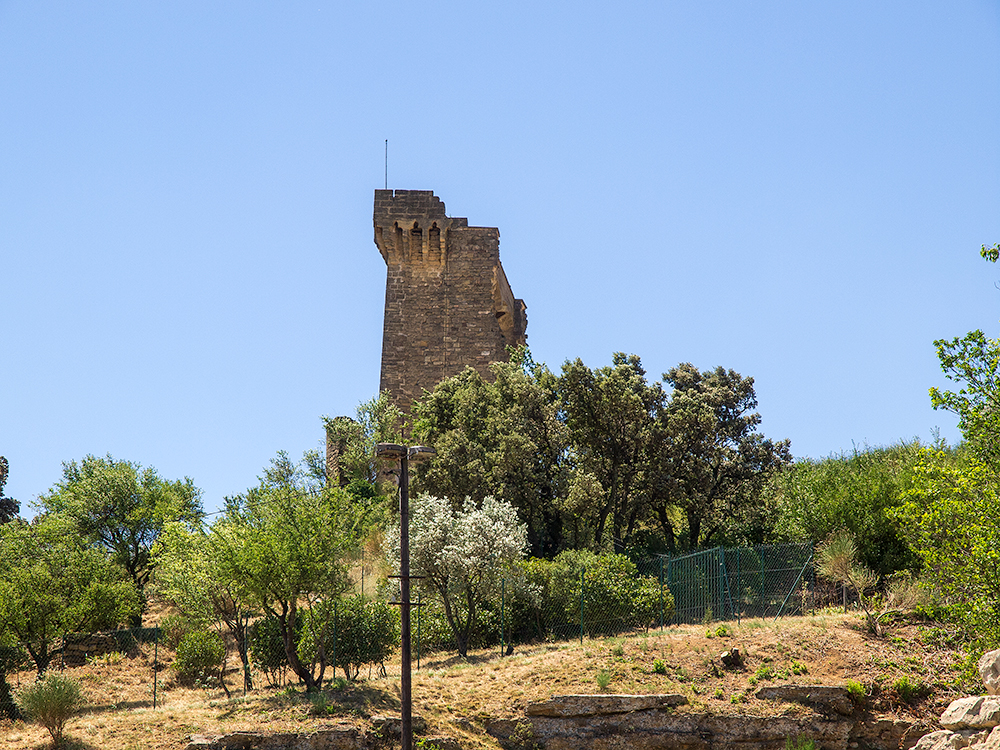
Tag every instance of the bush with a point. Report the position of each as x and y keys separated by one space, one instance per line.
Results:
x=545 y=600
x=358 y=632
x=910 y=691
x=51 y=702
x=267 y=649
x=200 y=655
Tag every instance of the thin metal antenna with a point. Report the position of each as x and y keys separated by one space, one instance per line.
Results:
x=386 y=163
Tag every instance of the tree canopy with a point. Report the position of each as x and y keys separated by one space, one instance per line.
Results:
x=52 y=582
x=122 y=507
x=283 y=547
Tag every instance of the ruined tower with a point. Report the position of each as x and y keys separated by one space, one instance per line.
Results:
x=447 y=300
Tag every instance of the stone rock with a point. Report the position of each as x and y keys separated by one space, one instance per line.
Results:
x=945 y=739
x=977 y=712
x=731 y=658
x=601 y=705
x=824 y=696
x=391 y=727
x=989 y=670
x=993 y=741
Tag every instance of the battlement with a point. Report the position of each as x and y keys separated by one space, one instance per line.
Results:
x=448 y=304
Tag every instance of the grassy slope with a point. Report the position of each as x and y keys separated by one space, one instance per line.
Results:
x=822 y=649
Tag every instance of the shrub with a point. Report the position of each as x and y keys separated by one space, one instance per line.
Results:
x=267 y=649
x=358 y=632
x=603 y=679
x=51 y=702
x=659 y=666
x=910 y=691
x=200 y=655
x=856 y=691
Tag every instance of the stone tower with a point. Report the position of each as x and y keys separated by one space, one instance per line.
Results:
x=447 y=300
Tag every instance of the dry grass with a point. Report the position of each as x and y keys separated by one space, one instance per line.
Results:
x=455 y=695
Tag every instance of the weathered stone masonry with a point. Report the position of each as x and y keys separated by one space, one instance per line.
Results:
x=447 y=300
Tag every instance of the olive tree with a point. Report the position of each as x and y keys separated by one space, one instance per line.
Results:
x=461 y=555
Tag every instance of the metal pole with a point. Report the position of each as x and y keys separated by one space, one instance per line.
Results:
x=406 y=728
x=581 y=606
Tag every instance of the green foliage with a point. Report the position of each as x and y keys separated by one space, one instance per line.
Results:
x=659 y=666
x=10 y=659
x=189 y=577
x=800 y=743
x=991 y=253
x=857 y=493
x=122 y=507
x=499 y=437
x=200 y=656
x=267 y=648
x=376 y=421
x=9 y=507
x=51 y=702
x=603 y=679
x=837 y=561
x=283 y=546
x=952 y=517
x=910 y=691
x=545 y=596
x=52 y=583
x=856 y=691
x=359 y=632
x=461 y=555
x=710 y=461
x=973 y=361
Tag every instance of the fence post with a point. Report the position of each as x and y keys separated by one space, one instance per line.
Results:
x=156 y=657
x=739 y=591
x=581 y=605
x=503 y=597
x=661 y=593
x=420 y=617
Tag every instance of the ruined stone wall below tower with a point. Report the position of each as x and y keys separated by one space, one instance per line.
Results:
x=448 y=303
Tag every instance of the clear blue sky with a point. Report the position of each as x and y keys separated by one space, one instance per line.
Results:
x=797 y=191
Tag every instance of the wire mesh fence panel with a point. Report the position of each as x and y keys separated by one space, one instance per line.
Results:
x=762 y=581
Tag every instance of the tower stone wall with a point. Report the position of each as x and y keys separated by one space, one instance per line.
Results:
x=448 y=304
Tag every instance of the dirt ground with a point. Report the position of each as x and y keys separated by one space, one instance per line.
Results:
x=913 y=672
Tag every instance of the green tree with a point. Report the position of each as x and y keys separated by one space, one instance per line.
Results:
x=376 y=421
x=461 y=556
x=52 y=583
x=952 y=518
x=123 y=508
x=498 y=437
x=283 y=546
x=610 y=413
x=858 y=492
x=973 y=360
x=9 y=507
x=189 y=564
x=711 y=462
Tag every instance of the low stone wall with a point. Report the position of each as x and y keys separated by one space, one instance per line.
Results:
x=619 y=722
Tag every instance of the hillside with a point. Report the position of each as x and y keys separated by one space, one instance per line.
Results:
x=911 y=674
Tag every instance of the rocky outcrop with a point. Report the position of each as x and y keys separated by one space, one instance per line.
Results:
x=989 y=670
x=973 y=722
x=824 y=698
x=595 y=705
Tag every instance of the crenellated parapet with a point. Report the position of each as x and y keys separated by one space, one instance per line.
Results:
x=448 y=303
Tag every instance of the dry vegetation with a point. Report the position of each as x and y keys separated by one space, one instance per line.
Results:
x=454 y=695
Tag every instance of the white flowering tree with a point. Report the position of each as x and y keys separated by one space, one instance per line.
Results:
x=461 y=555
